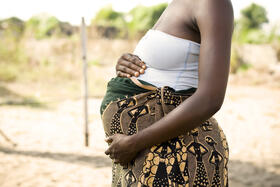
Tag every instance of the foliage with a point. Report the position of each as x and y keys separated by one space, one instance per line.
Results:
x=11 y=52
x=253 y=16
x=12 y=58
x=237 y=63
x=110 y=22
x=248 y=27
x=43 y=26
x=108 y=17
x=8 y=73
x=138 y=20
x=143 y=18
x=276 y=46
x=252 y=36
x=12 y=27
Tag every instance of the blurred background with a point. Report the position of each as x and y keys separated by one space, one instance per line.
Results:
x=41 y=104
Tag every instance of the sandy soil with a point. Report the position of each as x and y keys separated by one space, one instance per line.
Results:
x=50 y=151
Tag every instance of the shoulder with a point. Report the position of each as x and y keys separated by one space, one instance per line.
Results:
x=222 y=5
x=217 y=13
x=214 y=9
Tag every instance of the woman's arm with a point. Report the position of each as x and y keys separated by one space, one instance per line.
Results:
x=215 y=21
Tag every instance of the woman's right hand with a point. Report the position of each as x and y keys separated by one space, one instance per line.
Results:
x=130 y=65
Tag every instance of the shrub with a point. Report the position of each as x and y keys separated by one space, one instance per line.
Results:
x=253 y=16
x=12 y=55
x=248 y=27
x=237 y=63
x=43 y=26
x=143 y=18
x=110 y=23
x=12 y=28
x=276 y=46
x=8 y=73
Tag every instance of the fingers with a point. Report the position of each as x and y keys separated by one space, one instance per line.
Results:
x=121 y=74
x=109 y=139
x=134 y=59
x=127 y=70
x=117 y=161
x=130 y=65
x=111 y=156
x=133 y=63
x=108 y=151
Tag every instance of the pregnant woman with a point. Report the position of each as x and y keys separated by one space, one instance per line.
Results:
x=158 y=119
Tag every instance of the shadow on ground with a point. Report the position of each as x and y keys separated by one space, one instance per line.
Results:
x=90 y=161
x=245 y=174
x=241 y=174
x=9 y=97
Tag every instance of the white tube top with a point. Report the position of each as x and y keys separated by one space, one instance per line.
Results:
x=170 y=60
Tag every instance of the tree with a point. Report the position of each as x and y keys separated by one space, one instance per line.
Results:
x=11 y=27
x=253 y=16
x=110 y=23
x=143 y=18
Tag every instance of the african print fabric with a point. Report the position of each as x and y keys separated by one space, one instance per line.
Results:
x=196 y=159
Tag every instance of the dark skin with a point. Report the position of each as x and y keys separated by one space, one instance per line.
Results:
x=210 y=23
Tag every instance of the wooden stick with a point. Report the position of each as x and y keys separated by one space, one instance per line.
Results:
x=85 y=80
x=7 y=138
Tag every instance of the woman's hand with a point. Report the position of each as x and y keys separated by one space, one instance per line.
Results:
x=130 y=65
x=122 y=148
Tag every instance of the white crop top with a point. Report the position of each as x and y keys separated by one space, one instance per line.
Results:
x=170 y=60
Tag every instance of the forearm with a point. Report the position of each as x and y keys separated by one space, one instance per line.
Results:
x=187 y=116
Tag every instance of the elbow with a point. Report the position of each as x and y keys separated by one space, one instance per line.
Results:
x=214 y=107
x=212 y=102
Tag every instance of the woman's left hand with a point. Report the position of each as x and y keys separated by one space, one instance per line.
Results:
x=122 y=148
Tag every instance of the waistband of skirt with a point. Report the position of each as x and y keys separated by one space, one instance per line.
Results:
x=120 y=88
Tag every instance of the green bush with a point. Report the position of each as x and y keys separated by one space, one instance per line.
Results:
x=108 y=17
x=12 y=58
x=253 y=16
x=110 y=23
x=248 y=27
x=253 y=36
x=44 y=26
x=138 y=20
x=12 y=55
x=276 y=46
x=237 y=63
x=8 y=73
x=12 y=28
x=144 y=18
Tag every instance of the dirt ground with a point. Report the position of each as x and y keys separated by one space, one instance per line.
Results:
x=50 y=150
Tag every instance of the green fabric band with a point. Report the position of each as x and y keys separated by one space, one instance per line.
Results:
x=119 y=88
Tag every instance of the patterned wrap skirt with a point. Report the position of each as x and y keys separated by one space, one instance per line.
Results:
x=197 y=158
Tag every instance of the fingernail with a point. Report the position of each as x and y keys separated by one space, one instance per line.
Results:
x=136 y=74
x=144 y=66
x=141 y=71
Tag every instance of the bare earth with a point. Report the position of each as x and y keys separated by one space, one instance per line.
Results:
x=50 y=151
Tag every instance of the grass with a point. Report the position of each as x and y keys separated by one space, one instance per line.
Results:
x=11 y=98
